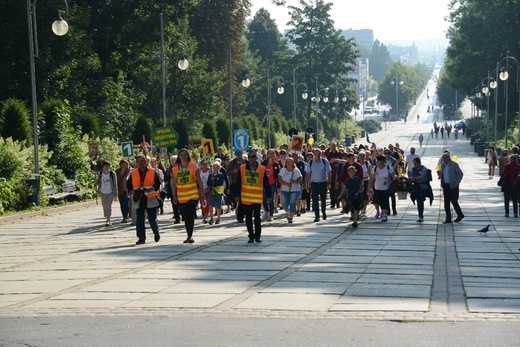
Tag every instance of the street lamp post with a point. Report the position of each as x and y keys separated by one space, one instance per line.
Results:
x=336 y=105
x=504 y=76
x=305 y=94
x=60 y=28
x=487 y=93
x=493 y=85
x=246 y=82
x=280 y=90
x=397 y=82
x=182 y=64
x=317 y=99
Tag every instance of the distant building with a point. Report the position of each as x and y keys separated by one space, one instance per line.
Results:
x=363 y=37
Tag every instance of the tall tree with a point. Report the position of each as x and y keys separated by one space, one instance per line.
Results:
x=322 y=53
x=380 y=60
x=481 y=34
x=263 y=35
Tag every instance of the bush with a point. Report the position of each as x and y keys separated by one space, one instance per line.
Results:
x=14 y=121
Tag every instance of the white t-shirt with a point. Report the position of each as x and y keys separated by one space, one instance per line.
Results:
x=106 y=185
x=382 y=177
x=287 y=176
x=409 y=160
x=204 y=178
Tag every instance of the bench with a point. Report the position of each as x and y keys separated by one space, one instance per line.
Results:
x=70 y=189
x=53 y=195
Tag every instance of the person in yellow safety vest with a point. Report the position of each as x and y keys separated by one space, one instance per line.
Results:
x=254 y=185
x=186 y=186
x=144 y=184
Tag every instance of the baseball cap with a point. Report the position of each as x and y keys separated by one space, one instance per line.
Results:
x=254 y=148
x=238 y=152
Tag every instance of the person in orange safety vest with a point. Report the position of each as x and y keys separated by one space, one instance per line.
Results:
x=254 y=185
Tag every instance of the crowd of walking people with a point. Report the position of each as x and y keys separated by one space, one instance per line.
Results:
x=261 y=183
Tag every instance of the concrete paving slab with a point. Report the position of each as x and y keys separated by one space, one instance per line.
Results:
x=307 y=287
x=289 y=301
x=179 y=300
x=208 y=287
x=494 y=305
x=389 y=290
x=347 y=303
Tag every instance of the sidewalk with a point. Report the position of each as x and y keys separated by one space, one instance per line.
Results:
x=69 y=263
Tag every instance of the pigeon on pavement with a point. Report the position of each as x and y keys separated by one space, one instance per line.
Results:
x=485 y=229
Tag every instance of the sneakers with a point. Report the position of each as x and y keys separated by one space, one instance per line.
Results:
x=156 y=236
x=217 y=221
x=362 y=214
x=354 y=225
x=324 y=216
x=384 y=218
x=378 y=215
x=420 y=220
x=140 y=242
x=125 y=220
x=188 y=240
x=317 y=219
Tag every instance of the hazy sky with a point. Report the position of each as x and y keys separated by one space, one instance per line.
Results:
x=391 y=20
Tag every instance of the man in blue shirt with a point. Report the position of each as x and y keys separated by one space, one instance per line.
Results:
x=318 y=182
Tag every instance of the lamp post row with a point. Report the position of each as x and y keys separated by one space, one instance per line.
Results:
x=502 y=73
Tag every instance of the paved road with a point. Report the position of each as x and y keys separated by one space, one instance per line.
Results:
x=66 y=263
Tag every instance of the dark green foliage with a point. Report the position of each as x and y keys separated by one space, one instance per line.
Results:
x=54 y=123
x=181 y=127
x=209 y=131
x=222 y=124
x=14 y=121
x=143 y=127
x=88 y=122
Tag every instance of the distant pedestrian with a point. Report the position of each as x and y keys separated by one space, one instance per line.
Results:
x=186 y=186
x=421 y=139
x=451 y=176
x=318 y=182
x=420 y=175
x=352 y=190
x=408 y=163
x=381 y=177
x=254 y=185
x=216 y=182
x=492 y=160
x=289 y=179
x=107 y=188
x=122 y=174
x=442 y=132
x=145 y=185
x=511 y=170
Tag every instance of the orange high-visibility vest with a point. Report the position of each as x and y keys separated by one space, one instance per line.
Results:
x=149 y=181
x=252 y=185
x=186 y=183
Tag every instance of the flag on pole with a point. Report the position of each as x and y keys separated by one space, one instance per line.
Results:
x=368 y=139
